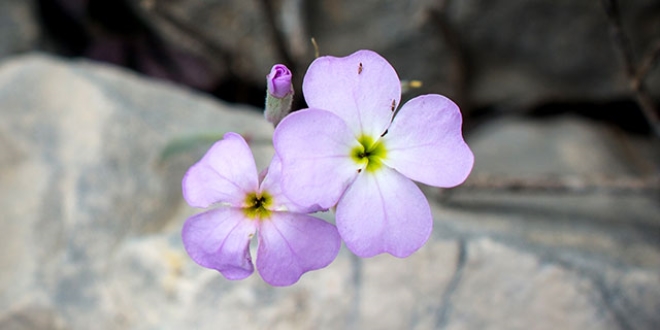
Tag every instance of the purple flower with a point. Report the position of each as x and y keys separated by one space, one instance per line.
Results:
x=348 y=150
x=279 y=81
x=290 y=241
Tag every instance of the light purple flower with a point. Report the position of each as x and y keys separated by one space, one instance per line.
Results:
x=279 y=81
x=290 y=241
x=347 y=149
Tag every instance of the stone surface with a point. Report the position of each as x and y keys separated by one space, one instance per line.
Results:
x=512 y=53
x=516 y=52
x=19 y=29
x=81 y=172
x=498 y=283
x=238 y=28
x=563 y=145
x=90 y=216
x=586 y=247
x=495 y=54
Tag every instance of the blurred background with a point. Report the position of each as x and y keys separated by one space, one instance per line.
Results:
x=535 y=57
x=558 y=227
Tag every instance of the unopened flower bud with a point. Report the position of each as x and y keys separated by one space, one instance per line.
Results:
x=280 y=94
x=279 y=81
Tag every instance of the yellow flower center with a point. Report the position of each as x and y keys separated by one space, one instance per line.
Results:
x=257 y=205
x=369 y=153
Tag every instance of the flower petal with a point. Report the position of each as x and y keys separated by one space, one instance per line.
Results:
x=272 y=184
x=279 y=81
x=219 y=239
x=361 y=88
x=383 y=212
x=291 y=244
x=225 y=174
x=314 y=147
x=425 y=142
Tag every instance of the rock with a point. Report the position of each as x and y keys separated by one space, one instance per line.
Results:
x=510 y=54
x=91 y=216
x=494 y=275
x=31 y=317
x=633 y=297
x=19 y=29
x=81 y=172
x=349 y=293
x=531 y=51
x=590 y=246
x=516 y=53
x=576 y=221
x=560 y=146
x=234 y=31
x=504 y=54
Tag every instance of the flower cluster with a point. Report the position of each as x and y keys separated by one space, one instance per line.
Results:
x=351 y=150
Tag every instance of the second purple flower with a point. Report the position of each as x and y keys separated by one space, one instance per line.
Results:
x=347 y=150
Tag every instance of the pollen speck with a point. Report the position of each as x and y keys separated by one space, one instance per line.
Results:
x=415 y=84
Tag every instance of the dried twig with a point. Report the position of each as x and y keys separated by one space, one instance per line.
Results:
x=278 y=37
x=593 y=184
x=459 y=66
x=647 y=64
x=635 y=75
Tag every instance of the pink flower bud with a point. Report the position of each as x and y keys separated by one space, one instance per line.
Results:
x=279 y=81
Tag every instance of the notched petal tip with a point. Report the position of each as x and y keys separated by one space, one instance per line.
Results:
x=384 y=212
x=425 y=142
x=292 y=244
x=219 y=239
x=359 y=88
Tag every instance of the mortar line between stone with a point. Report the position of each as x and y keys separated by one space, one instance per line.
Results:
x=445 y=306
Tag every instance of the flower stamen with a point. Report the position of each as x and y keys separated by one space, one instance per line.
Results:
x=369 y=153
x=257 y=205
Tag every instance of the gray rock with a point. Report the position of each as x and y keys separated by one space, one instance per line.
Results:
x=233 y=33
x=499 y=283
x=597 y=243
x=517 y=52
x=512 y=53
x=30 y=317
x=81 y=172
x=618 y=226
x=19 y=29
x=91 y=216
x=526 y=51
x=561 y=146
